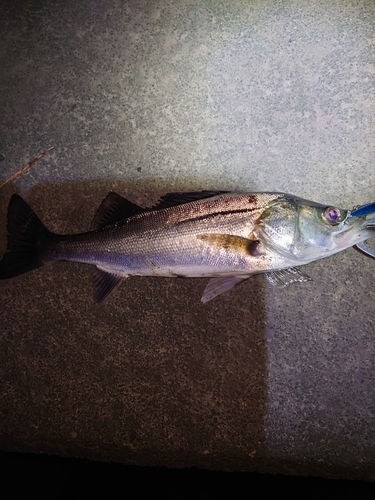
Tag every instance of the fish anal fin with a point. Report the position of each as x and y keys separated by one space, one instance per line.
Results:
x=105 y=284
x=234 y=243
x=216 y=286
x=286 y=277
x=113 y=209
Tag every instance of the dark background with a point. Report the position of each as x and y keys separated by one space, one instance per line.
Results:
x=81 y=478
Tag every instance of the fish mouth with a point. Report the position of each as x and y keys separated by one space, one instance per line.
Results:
x=369 y=224
x=363 y=248
x=364 y=211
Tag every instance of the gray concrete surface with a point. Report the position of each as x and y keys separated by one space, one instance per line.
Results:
x=148 y=97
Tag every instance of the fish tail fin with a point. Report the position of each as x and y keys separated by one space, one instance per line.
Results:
x=27 y=237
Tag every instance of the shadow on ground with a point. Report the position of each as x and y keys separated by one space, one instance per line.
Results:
x=152 y=377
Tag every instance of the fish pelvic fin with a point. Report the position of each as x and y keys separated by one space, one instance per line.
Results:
x=216 y=286
x=27 y=236
x=286 y=277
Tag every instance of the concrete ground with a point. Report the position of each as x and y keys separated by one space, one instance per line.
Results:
x=144 y=98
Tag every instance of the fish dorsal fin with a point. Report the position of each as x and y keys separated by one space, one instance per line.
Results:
x=173 y=199
x=105 y=284
x=113 y=209
x=216 y=286
x=286 y=277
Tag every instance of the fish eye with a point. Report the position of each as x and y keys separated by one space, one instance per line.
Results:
x=334 y=215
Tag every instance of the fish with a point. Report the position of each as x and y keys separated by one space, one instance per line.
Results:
x=226 y=236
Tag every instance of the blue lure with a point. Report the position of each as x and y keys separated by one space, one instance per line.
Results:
x=364 y=211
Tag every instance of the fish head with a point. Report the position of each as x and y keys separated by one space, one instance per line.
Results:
x=304 y=231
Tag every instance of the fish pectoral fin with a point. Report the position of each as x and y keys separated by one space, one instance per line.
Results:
x=216 y=286
x=113 y=209
x=286 y=277
x=105 y=284
x=234 y=243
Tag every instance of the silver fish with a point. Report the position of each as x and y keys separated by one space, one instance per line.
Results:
x=228 y=237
